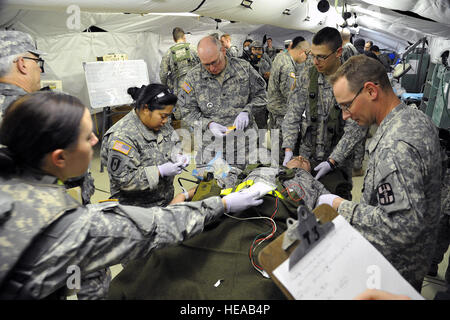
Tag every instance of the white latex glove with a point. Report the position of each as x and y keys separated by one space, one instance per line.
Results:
x=241 y=121
x=170 y=169
x=287 y=157
x=326 y=199
x=217 y=130
x=323 y=168
x=185 y=159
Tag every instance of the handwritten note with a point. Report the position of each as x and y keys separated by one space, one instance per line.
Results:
x=108 y=81
x=341 y=266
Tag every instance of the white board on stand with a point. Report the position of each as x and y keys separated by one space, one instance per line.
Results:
x=108 y=81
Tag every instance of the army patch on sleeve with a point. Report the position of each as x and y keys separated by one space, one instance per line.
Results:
x=292 y=75
x=114 y=164
x=385 y=194
x=121 y=147
x=261 y=82
x=186 y=87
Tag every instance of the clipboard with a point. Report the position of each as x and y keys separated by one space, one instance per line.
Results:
x=273 y=254
x=322 y=266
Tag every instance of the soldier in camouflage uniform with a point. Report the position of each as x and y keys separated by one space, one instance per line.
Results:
x=50 y=243
x=20 y=71
x=257 y=60
x=283 y=80
x=400 y=205
x=219 y=93
x=270 y=50
x=139 y=147
x=443 y=238
x=349 y=50
x=176 y=62
x=232 y=51
x=262 y=66
x=327 y=141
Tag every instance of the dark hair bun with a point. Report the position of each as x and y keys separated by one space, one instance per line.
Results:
x=133 y=92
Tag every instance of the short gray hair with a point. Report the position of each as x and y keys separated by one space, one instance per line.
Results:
x=6 y=63
x=212 y=40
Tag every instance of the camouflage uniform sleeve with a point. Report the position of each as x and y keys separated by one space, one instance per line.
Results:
x=234 y=51
x=292 y=120
x=97 y=236
x=126 y=170
x=288 y=81
x=353 y=134
x=257 y=97
x=195 y=57
x=396 y=203
x=164 y=69
x=189 y=109
x=145 y=229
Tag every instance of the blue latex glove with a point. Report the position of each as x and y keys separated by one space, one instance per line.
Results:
x=241 y=121
x=326 y=199
x=323 y=168
x=217 y=130
x=169 y=169
x=240 y=201
x=287 y=157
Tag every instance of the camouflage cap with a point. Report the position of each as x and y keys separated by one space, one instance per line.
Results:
x=256 y=44
x=15 y=42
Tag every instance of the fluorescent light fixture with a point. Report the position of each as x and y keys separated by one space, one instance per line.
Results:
x=247 y=3
x=179 y=14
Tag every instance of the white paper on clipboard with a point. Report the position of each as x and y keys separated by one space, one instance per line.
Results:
x=341 y=266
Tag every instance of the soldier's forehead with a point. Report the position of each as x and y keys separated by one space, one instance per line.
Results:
x=320 y=49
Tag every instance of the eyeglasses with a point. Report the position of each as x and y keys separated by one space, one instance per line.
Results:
x=39 y=61
x=346 y=107
x=207 y=65
x=321 y=58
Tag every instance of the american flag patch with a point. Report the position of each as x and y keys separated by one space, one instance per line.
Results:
x=186 y=87
x=121 y=147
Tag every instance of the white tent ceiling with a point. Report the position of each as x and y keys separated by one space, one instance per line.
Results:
x=51 y=22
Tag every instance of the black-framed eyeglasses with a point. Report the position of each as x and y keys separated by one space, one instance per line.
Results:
x=346 y=107
x=321 y=58
x=39 y=61
x=214 y=63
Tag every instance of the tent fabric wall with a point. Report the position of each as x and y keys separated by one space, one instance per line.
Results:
x=66 y=54
x=140 y=37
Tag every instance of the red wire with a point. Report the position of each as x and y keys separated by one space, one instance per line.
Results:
x=273 y=224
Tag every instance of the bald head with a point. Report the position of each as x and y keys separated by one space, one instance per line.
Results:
x=345 y=35
x=208 y=44
x=211 y=54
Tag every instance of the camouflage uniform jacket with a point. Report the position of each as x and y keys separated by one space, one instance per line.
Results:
x=400 y=203
x=54 y=234
x=233 y=52
x=348 y=51
x=8 y=93
x=204 y=99
x=167 y=74
x=132 y=152
x=281 y=82
x=167 y=69
x=298 y=120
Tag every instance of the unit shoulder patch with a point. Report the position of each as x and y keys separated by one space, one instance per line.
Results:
x=385 y=194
